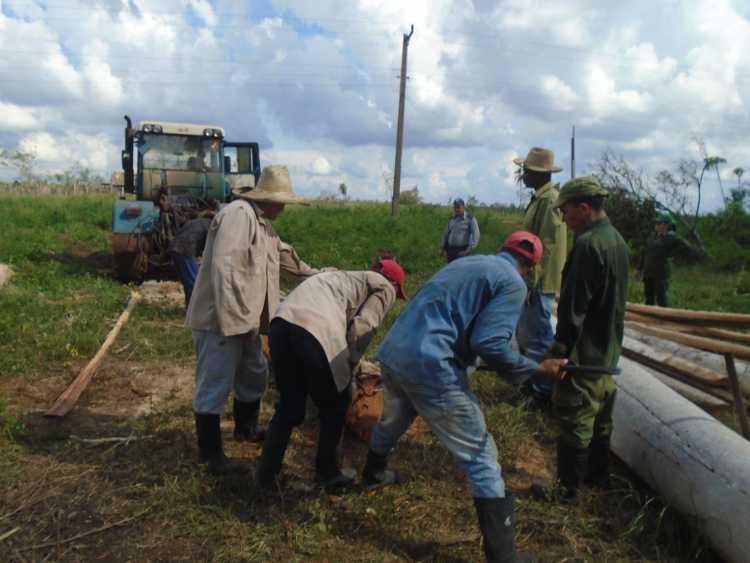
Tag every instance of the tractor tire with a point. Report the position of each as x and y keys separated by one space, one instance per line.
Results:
x=131 y=266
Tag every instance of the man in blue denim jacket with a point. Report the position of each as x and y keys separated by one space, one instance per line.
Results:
x=469 y=308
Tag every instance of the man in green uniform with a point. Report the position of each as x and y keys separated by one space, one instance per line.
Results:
x=590 y=325
x=534 y=331
x=656 y=261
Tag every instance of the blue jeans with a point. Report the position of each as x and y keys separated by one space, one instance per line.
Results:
x=227 y=363
x=534 y=334
x=453 y=415
x=187 y=270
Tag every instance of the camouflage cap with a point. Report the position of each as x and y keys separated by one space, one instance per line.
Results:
x=585 y=186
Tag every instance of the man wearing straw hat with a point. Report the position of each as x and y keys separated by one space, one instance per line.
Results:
x=236 y=293
x=534 y=332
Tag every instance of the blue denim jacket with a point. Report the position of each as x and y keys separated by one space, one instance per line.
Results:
x=469 y=308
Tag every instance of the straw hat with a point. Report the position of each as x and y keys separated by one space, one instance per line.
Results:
x=538 y=160
x=274 y=186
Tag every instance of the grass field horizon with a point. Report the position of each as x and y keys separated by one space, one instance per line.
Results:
x=145 y=498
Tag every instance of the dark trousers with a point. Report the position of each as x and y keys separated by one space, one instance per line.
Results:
x=656 y=291
x=301 y=368
x=187 y=270
x=453 y=252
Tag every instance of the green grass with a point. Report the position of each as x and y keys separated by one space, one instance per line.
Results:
x=62 y=301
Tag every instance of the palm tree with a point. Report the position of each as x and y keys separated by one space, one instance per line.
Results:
x=739 y=171
x=713 y=162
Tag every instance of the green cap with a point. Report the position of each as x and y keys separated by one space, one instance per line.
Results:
x=585 y=186
x=665 y=218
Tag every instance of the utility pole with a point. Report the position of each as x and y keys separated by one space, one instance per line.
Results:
x=573 y=154
x=400 y=127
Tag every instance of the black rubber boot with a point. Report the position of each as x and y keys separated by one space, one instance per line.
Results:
x=274 y=447
x=598 y=470
x=327 y=471
x=246 y=428
x=571 y=469
x=375 y=473
x=496 y=522
x=208 y=429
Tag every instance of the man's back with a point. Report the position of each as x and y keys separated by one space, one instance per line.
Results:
x=469 y=307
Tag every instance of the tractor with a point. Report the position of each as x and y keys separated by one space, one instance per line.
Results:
x=172 y=172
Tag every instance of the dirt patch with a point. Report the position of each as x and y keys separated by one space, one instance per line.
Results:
x=120 y=388
x=5 y=273
x=163 y=293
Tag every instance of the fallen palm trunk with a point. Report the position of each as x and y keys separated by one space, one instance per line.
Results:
x=697 y=464
x=700 y=342
x=696 y=374
x=708 y=332
x=68 y=398
x=708 y=403
x=704 y=318
x=711 y=361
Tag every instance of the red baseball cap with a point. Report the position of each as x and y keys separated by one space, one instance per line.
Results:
x=520 y=241
x=395 y=273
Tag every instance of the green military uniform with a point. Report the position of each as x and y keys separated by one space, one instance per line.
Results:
x=590 y=325
x=543 y=219
x=656 y=265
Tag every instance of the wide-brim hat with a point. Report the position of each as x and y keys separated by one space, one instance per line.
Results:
x=538 y=160
x=275 y=186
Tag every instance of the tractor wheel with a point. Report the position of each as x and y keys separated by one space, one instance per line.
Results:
x=131 y=266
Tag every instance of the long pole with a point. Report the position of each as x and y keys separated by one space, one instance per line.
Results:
x=573 y=154
x=400 y=127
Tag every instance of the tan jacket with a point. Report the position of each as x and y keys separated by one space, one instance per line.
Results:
x=342 y=310
x=545 y=221
x=238 y=281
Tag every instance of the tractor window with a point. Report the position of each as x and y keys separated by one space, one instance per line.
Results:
x=241 y=159
x=178 y=152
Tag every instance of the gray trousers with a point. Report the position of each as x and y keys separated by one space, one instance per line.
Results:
x=227 y=363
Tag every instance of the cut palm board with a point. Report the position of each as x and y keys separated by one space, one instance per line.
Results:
x=68 y=398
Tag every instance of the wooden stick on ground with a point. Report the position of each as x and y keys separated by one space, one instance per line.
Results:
x=67 y=400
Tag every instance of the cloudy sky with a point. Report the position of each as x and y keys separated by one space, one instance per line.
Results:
x=316 y=83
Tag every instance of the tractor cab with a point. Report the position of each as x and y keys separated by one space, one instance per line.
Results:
x=182 y=170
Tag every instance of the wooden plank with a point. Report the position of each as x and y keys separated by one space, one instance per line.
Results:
x=704 y=318
x=68 y=398
x=700 y=342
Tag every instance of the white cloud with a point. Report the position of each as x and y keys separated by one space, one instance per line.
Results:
x=59 y=153
x=205 y=11
x=560 y=94
x=17 y=117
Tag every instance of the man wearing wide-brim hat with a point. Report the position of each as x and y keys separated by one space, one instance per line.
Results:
x=534 y=332
x=236 y=293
